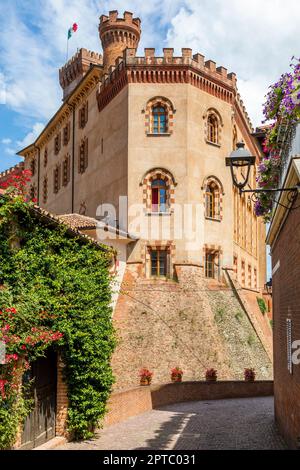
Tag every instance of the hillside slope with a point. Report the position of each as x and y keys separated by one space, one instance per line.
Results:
x=191 y=323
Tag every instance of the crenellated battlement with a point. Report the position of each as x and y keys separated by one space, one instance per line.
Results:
x=113 y=20
x=187 y=68
x=75 y=69
x=15 y=170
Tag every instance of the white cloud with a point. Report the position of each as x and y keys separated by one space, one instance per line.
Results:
x=31 y=136
x=254 y=38
x=10 y=151
x=2 y=89
x=6 y=141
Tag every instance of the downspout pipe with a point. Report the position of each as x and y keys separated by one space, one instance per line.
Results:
x=73 y=158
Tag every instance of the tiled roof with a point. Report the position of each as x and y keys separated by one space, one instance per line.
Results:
x=78 y=221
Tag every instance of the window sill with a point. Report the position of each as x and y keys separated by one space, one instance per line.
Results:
x=165 y=134
x=213 y=144
x=213 y=220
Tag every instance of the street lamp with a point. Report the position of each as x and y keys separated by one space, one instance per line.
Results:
x=240 y=158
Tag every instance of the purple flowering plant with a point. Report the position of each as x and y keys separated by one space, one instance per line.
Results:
x=282 y=106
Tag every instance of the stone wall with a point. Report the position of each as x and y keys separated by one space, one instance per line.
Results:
x=192 y=323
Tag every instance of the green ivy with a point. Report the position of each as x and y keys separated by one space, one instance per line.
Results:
x=67 y=278
x=262 y=305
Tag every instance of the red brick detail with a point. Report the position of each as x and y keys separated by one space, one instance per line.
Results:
x=165 y=175
x=165 y=103
x=286 y=306
x=61 y=401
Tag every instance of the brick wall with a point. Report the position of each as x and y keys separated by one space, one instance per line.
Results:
x=61 y=401
x=286 y=305
x=138 y=400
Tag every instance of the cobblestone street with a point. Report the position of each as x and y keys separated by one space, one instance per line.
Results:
x=224 y=424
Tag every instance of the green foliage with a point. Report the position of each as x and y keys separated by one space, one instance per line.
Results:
x=66 y=280
x=239 y=316
x=251 y=339
x=219 y=315
x=262 y=305
x=12 y=412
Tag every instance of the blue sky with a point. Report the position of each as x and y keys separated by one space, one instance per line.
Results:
x=252 y=38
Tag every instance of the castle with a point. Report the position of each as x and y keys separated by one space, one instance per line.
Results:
x=140 y=143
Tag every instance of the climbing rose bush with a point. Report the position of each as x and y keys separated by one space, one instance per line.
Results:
x=282 y=107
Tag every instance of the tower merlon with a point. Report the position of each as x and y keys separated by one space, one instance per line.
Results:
x=210 y=65
x=222 y=71
x=199 y=58
x=168 y=54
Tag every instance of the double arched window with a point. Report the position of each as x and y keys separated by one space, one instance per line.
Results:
x=212 y=129
x=213 y=126
x=160 y=120
x=159 y=116
x=213 y=198
x=212 y=201
x=158 y=191
x=159 y=195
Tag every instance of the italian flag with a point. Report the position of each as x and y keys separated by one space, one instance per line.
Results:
x=72 y=30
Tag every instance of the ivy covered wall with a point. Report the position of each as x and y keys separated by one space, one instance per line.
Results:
x=54 y=289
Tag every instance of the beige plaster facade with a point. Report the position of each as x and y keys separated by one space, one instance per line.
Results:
x=111 y=150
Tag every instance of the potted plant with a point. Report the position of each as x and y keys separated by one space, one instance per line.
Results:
x=176 y=374
x=145 y=377
x=249 y=375
x=211 y=375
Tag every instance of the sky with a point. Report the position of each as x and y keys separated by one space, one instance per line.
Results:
x=253 y=38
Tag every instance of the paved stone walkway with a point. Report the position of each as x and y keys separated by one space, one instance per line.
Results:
x=222 y=424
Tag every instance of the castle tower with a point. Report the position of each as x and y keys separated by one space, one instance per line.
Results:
x=76 y=68
x=116 y=34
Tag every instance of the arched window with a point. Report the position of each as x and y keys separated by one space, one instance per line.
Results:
x=212 y=129
x=159 y=195
x=158 y=191
x=159 y=120
x=212 y=201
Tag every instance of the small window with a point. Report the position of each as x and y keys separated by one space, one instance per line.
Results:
x=83 y=156
x=83 y=115
x=159 y=263
x=159 y=116
x=159 y=196
x=212 y=201
x=45 y=157
x=33 y=167
x=57 y=144
x=56 y=179
x=211 y=266
x=32 y=193
x=66 y=170
x=212 y=129
x=66 y=134
x=249 y=276
x=45 y=190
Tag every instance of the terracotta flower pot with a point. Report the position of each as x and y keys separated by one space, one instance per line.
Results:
x=144 y=382
x=176 y=378
x=211 y=379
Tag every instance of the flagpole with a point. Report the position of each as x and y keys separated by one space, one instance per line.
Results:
x=67 y=49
